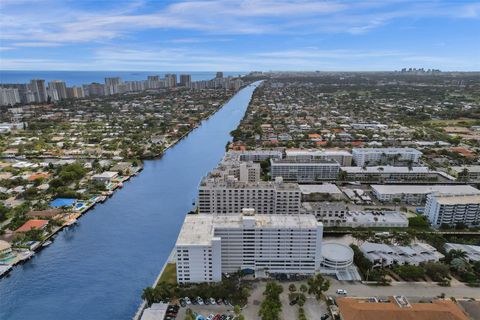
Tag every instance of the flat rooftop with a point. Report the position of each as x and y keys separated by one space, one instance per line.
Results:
x=424 y=189
x=368 y=217
x=473 y=169
x=319 y=188
x=315 y=152
x=385 y=150
x=387 y=169
x=458 y=199
x=198 y=229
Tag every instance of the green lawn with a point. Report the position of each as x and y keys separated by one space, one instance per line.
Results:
x=169 y=274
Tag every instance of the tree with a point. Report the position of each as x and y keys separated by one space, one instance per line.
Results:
x=189 y=314
x=418 y=222
x=436 y=270
x=271 y=306
x=292 y=287
x=149 y=295
x=455 y=254
x=303 y=288
x=410 y=272
x=317 y=285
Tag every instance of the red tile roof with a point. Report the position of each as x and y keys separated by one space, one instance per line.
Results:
x=32 y=224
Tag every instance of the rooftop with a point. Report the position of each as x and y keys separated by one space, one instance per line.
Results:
x=385 y=150
x=32 y=224
x=334 y=251
x=457 y=199
x=319 y=188
x=198 y=229
x=361 y=309
x=387 y=169
x=405 y=188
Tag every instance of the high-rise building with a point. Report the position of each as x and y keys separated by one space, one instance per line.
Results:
x=304 y=170
x=39 y=90
x=60 y=87
x=52 y=94
x=219 y=75
x=379 y=156
x=209 y=245
x=185 y=80
x=170 y=80
x=448 y=209
x=75 y=92
x=94 y=89
x=9 y=96
x=216 y=196
x=111 y=85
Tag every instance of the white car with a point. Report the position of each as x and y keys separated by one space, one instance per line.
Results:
x=199 y=301
x=212 y=301
x=187 y=300
x=342 y=291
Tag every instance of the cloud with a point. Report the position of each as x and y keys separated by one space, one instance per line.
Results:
x=37 y=44
x=57 y=22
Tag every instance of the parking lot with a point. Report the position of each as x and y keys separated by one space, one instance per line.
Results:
x=313 y=308
x=206 y=310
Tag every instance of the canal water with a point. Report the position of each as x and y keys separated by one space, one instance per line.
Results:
x=98 y=269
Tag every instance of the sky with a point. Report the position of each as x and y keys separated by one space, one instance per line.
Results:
x=243 y=35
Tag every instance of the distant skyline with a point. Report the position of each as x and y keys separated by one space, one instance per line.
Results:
x=244 y=35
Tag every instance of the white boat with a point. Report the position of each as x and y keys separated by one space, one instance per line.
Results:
x=26 y=255
x=47 y=243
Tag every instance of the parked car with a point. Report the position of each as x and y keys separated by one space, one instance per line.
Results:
x=183 y=303
x=325 y=317
x=187 y=300
x=217 y=317
x=293 y=302
x=219 y=301
x=210 y=317
x=212 y=301
x=342 y=291
x=199 y=300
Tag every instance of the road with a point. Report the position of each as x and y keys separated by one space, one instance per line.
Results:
x=409 y=289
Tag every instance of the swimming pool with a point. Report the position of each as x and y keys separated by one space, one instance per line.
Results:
x=62 y=202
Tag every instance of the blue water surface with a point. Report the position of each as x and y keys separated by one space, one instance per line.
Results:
x=98 y=269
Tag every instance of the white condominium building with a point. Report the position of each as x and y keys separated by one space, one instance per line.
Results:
x=376 y=156
x=9 y=96
x=331 y=214
x=344 y=158
x=304 y=170
x=216 y=196
x=209 y=245
x=254 y=155
x=391 y=174
x=417 y=194
x=453 y=209
x=467 y=173
x=241 y=171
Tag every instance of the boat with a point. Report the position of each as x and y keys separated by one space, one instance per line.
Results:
x=4 y=270
x=26 y=255
x=47 y=243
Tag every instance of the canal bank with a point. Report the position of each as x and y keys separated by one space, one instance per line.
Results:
x=98 y=269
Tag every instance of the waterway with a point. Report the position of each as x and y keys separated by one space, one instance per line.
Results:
x=98 y=269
